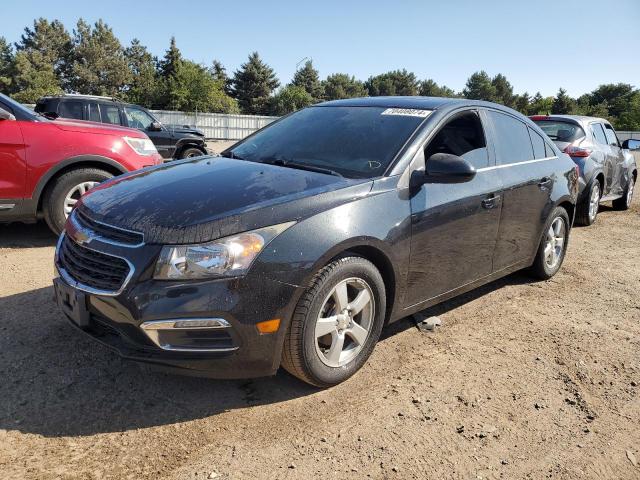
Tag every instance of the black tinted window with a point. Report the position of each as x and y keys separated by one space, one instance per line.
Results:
x=512 y=140
x=538 y=144
x=598 y=133
x=70 y=109
x=94 y=112
x=463 y=136
x=110 y=114
x=357 y=142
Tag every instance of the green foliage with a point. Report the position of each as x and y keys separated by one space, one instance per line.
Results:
x=540 y=105
x=341 y=85
x=219 y=73
x=397 y=82
x=480 y=87
x=169 y=65
x=429 y=88
x=630 y=118
x=289 y=99
x=6 y=66
x=563 y=103
x=143 y=87
x=99 y=63
x=253 y=84
x=307 y=77
x=503 y=91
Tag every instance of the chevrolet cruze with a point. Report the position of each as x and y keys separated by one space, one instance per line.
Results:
x=298 y=244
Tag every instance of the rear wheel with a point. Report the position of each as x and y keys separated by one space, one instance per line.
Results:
x=624 y=202
x=553 y=245
x=588 y=210
x=337 y=323
x=64 y=193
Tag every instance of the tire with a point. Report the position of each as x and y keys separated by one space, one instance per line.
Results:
x=542 y=268
x=624 y=202
x=56 y=193
x=587 y=210
x=310 y=358
x=190 y=152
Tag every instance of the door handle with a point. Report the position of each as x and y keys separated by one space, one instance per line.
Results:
x=491 y=201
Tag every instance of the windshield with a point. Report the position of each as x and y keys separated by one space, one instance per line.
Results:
x=17 y=107
x=559 y=131
x=355 y=142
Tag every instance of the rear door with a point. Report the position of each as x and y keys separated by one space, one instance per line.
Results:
x=13 y=161
x=527 y=176
x=617 y=160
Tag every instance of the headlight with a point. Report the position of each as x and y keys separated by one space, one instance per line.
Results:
x=226 y=257
x=142 y=146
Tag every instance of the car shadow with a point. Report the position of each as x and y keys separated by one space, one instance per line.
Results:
x=57 y=382
x=26 y=235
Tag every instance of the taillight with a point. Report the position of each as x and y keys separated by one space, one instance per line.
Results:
x=574 y=151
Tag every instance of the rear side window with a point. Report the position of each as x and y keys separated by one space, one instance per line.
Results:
x=549 y=151
x=93 y=112
x=598 y=133
x=538 y=144
x=70 y=109
x=110 y=114
x=513 y=144
x=560 y=131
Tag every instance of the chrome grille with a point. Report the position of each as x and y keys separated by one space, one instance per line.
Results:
x=108 y=232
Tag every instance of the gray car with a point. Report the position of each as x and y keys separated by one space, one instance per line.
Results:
x=608 y=170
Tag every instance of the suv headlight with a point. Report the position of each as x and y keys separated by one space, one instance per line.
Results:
x=142 y=146
x=226 y=257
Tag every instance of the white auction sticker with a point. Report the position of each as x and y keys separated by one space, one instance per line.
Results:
x=409 y=112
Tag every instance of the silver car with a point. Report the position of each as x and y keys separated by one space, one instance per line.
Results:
x=608 y=170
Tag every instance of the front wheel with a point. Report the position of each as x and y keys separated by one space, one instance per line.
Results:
x=64 y=193
x=337 y=323
x=624 y=202
x=553 y=245
x=190 y=153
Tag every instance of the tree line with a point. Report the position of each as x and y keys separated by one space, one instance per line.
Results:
x=91 y=60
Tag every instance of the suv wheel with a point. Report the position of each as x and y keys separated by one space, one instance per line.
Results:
x=64 y=193
x=553 y=245
x=190 y=153
x=337 y=323
x=624 y=202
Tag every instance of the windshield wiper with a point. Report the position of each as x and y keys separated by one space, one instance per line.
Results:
x=302 y=166
x=231 y=155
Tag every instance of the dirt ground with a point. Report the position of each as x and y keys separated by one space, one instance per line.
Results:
x=523 y=380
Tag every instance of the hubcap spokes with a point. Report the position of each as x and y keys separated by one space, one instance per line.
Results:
x=594 y=201
x=344 y=322
x=74 y=195
x=554 y=244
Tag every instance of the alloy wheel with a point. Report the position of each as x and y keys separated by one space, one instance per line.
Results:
x=554 y=244
x=594 y=201
x=74 y=195
x=344 y=322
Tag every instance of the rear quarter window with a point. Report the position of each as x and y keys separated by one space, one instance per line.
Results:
x=598 y=133
x=538 y=144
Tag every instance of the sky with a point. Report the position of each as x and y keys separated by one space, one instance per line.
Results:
x=540 y=45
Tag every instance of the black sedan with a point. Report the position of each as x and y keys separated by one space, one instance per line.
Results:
x=298 y=244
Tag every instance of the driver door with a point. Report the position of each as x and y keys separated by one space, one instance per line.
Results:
x=454 y=227
x=13 y=162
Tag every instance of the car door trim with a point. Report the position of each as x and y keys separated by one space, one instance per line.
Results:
x=526 y=162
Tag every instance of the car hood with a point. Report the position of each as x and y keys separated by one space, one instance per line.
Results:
x=198 y=200
x=95 y=127
x=185 y=129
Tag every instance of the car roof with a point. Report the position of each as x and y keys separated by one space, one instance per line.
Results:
x=87 y=98
x=423 y=103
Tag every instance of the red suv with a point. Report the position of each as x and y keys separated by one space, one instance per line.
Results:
x=47 y=165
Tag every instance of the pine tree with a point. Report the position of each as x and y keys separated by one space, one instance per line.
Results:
x=219 y=73
x=341 y=85
x=169 y=64
x=253 y=85
x=99 y=63
x=504 y=90
x=143 y=87
x=397 y=82
x=521 y=103
x=6 y=66
x=307 y=77
x=480 y=87
x=289 y=99
x=429 y=88
x=563 y=103
x=168 y=68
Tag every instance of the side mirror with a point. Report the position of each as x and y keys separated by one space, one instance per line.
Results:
x=155 y=127
x=4 y=115
x=447 y=168
x=631 y=144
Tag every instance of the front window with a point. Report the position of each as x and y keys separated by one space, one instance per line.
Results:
x=355 y=142
x=110 y=114
x=137 y=118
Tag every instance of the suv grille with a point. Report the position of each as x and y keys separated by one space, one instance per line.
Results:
x=107 y=231
x=91 y=268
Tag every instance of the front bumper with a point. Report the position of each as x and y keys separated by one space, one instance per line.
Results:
x=233 y=349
